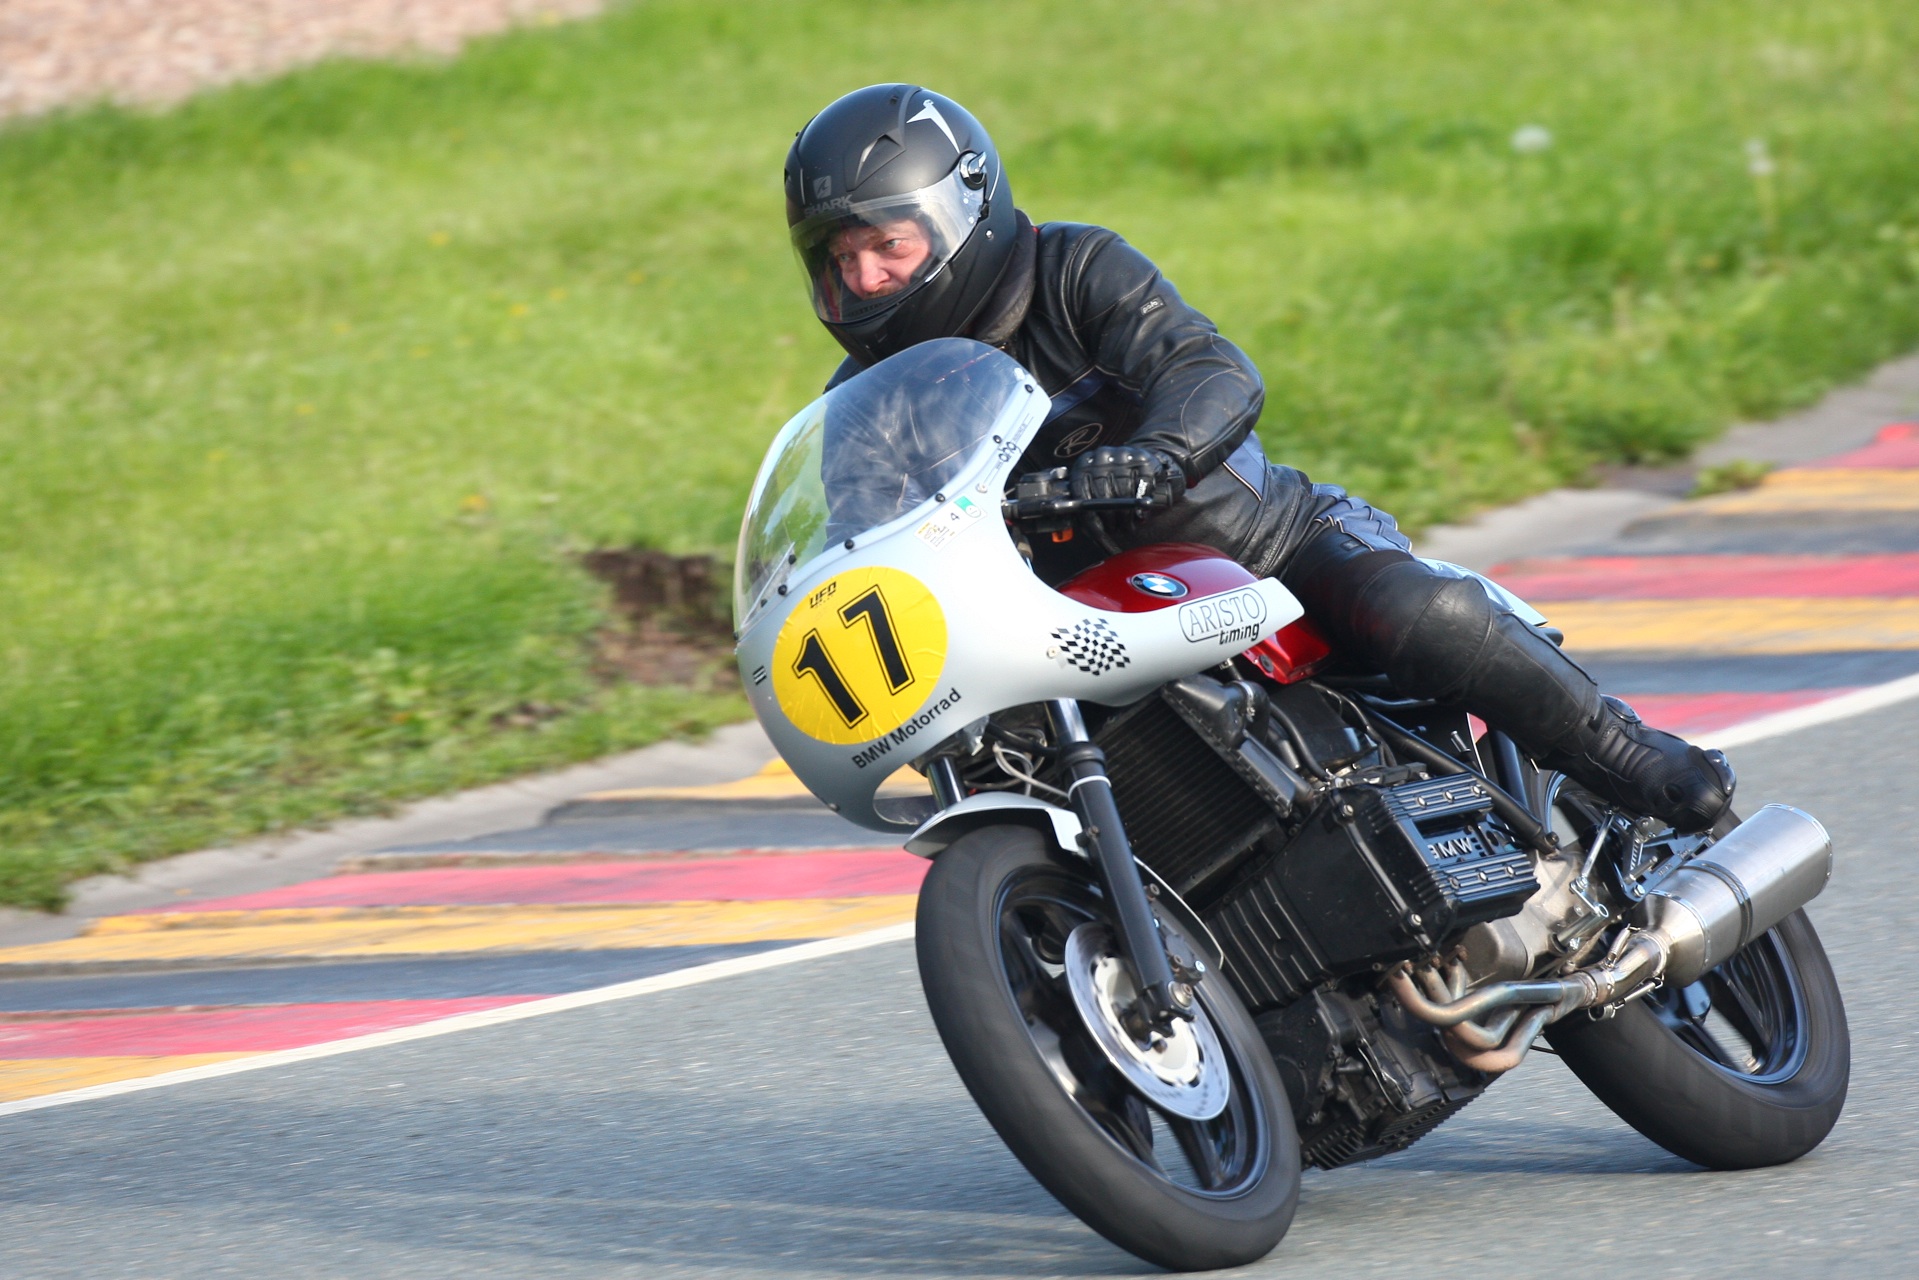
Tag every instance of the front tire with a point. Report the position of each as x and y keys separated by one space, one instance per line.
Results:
x=1747 y=1067
x=995 y=913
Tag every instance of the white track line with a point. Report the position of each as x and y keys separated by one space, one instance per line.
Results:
x=690 y=977
x=1842 y=707
x=1846 y=705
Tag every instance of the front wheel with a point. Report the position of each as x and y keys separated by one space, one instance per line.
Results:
x=1746 y=1067
x=1178 y=1148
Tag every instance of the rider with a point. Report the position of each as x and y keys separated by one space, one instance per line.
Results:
x=906 y=231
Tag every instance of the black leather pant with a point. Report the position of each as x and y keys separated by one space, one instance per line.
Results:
x=1435 y=634
x=1440 y=635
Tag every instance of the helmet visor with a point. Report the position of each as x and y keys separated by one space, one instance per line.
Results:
x=863 y=257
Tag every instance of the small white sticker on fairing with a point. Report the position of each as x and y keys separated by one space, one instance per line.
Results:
x=949 y=522
x=1231 y=617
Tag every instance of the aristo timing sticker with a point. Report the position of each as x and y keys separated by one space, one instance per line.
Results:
x=858 y=655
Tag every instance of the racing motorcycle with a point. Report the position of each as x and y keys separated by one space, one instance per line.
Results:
x=1209 y=905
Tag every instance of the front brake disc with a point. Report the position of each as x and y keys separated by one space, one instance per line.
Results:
x=1183 y=1070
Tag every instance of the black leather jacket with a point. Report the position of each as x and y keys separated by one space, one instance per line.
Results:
x=1126 y=360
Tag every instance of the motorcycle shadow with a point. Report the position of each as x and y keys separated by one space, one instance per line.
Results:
x=1533 y=1149
x=1537 y=1122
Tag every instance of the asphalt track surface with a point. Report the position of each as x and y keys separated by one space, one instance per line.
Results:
x=804 y=1121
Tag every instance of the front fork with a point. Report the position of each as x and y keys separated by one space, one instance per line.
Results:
x=1163 y=995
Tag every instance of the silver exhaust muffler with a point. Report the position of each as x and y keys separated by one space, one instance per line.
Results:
x=1765 y=869
x=1772 y=864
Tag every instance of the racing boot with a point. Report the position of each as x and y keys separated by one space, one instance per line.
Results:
x=1441 y=636
x=1620 y=758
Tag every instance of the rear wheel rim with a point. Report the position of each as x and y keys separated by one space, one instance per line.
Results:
x=1219 y=1158
x=1747 y=1018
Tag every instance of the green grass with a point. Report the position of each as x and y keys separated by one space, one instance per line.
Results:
x=311 y=391
x=1730 y=477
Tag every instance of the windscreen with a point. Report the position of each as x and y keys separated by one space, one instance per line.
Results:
x=867 y=452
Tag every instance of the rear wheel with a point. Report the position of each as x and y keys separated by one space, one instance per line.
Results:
x=1746 y=1067
x=1179 y=1148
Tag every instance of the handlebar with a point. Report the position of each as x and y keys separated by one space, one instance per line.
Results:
x=1041 y=508
x=1048 y=495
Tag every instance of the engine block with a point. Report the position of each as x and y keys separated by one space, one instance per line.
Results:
x=1374 y=874
x=1365 y=1079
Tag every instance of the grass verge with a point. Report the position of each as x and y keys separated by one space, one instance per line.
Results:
x=312 y=392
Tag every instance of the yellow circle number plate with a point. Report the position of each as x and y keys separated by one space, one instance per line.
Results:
x=859 y=655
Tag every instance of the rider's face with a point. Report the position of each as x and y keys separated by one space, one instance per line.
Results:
x=878 y=260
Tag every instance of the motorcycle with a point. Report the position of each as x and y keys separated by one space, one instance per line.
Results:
x=1208 y=904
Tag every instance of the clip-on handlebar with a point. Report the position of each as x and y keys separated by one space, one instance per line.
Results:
x=1048 y=496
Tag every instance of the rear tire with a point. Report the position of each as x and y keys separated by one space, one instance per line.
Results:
x=1763 y=1085
x=994 y=914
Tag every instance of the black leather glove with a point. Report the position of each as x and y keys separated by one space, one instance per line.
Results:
x=1124 y=471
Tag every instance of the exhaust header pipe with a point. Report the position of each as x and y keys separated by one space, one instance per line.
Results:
x=1768 y=867
x=1772 y=864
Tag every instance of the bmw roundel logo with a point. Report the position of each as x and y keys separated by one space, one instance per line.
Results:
x=1158 y=584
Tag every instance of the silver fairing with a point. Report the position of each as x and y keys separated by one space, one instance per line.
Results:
x=862 y=652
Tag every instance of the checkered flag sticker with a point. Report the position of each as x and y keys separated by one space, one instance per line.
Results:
x=1091 y=645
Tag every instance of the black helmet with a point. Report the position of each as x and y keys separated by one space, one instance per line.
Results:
x=875 y=159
